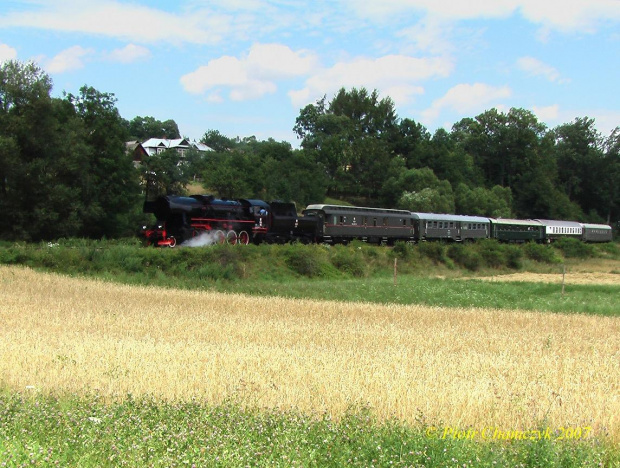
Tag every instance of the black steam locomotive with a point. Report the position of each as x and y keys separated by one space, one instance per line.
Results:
x=238 y=221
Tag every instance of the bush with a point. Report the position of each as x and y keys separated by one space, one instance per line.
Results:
x=514 y=257
x=403 y=250
x=434 y=251
x=493 y=253
x=349 y=260
x=574 y=248
x=305 y=260
x=540 y=253
x=465 y=256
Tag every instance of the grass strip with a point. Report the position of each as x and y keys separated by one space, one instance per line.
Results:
x=38 y=430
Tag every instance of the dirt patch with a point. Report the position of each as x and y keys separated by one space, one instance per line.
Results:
x=570 y=278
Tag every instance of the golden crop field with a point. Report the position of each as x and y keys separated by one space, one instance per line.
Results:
x=460 y=367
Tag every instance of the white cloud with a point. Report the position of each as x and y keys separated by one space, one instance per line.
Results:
x=428 y=36
x=467 y=99
x=547 y=114
x=68 y=60
x=570 y=15
x=250 y=76
x=397 y=76
x=122 y=20
x=535 y=67
x=130 y=53
x=7 y=53
x=554 y=115
x=442 y=9
x=563 y=15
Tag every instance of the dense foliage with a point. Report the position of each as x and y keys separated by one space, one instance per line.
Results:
x=64 y=169
x=63 y=166
x=496 y=164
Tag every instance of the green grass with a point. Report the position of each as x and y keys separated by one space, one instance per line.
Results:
x=86 y=432
x=357 y=272
x=598 y=300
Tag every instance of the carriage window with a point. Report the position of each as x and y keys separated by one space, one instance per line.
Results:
x=451 y=225
x=343 y=219
x=385 y=221
x=404 y=222
x=365 y=220
x=374 y=221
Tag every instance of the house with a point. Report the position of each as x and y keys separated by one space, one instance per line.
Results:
x=157 y=145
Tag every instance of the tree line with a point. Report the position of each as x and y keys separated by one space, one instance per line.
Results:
x=65 y=171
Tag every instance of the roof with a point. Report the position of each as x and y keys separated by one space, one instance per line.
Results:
x=175 y=143
x=596 y=226
x=356 y=209
x=516 y=222
x=450 y=217
x=553 y=222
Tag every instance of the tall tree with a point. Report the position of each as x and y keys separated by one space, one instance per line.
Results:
x=108 y=179
x=353 y=137
x=143 y=128
x=588 y=167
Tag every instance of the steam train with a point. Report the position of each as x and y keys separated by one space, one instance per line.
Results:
x=241 y=221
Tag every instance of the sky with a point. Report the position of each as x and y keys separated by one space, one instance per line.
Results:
x=247 y=67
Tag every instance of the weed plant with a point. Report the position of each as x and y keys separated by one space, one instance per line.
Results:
x=38 y=430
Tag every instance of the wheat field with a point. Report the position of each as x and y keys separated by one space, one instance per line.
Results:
x=460 y=367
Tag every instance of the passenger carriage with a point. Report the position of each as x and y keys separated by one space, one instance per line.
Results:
x=560 y=229
x=596 y=233
x=342 y=224
x=457 y=228
x=517 y=230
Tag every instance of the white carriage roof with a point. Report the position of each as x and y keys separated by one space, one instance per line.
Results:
x=450 y=217
x=553 y=222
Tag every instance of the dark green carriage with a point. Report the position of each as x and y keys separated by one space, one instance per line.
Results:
x=517 y=230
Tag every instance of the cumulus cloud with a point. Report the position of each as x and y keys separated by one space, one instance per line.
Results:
x=7 y=53
x=251 y=76
x=68 y=60
x=467 y=99
x=397 y=76
x=129 y=54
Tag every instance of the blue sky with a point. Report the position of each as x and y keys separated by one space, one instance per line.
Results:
x=247 y=67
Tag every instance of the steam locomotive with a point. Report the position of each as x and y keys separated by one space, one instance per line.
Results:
x=238 y=221
x=241 y=221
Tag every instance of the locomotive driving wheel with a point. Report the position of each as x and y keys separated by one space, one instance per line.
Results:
x=173 y=242
x=243 y=238
x=220 y=237
x=231 y=237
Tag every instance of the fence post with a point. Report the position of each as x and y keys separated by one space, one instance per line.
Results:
x=563 y=278
x=395 y=270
